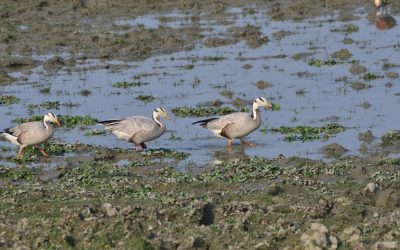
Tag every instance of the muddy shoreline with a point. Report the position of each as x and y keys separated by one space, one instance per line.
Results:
x=91 y=196
x=89 y=29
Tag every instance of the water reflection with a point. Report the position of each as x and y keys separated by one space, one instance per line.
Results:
x=230 y=153
x=383 y=20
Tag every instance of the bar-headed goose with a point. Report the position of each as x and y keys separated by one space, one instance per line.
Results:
x=32 y=133
x=236 y=125
x=138 y=129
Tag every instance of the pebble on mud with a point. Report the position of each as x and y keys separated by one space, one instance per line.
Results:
x=343 y=54
x=392 y=75
x=359 y=86
x=347 y=41
x=366 y=105
x=263 y=85
x=352 y=236
x=386 y=245
x=333 y=150
x=367 y=137
x=357 y=69
x=110 y=209
x=387 y=198
x=318 y=237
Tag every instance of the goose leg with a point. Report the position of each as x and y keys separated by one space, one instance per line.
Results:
x=142 y=145
x=249 y=144
x=138 y=147
x=20 y=151
x=43 y=152
x=229 y=143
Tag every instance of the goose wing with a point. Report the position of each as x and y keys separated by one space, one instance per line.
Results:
x=233 y=120
x=129 y=125
x=23 y=132
x=23 y=128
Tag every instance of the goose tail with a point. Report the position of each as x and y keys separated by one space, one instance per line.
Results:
x=203 y=123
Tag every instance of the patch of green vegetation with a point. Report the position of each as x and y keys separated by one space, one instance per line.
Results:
x=391 y=138
x=95 y=132
x=16 y=174
x=85 y=92
x=319 y=62
x=167 y=153
x=145 y=98
x=46 y=105
x=31 y=153
x=213 y=58
x=338 y=169
x=65 y=120
x=72 y=121
x=233 y=172
x=8 y=99
x=390 y=161
x=140 y=244
x=347 y=28
x=45 y=90
x=307 y=133
x=201 y=111
x=276 y=107
x=139 y=163
x=385 y=178
x=126 y=84
x=369 y=76
x=173 y=137
x=86 y=175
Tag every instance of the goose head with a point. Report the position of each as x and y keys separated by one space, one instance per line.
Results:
x=50 y=117
x=160 y=112
x=262 y=102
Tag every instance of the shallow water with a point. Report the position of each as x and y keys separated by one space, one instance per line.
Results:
x=173 y=84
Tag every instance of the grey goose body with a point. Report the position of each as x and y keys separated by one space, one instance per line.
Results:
x=138 y=129
x=236 y=125
x=32 y=133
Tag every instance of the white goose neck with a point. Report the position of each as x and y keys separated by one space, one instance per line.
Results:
x=155 y=118
x=45 y=123
x=255 y=108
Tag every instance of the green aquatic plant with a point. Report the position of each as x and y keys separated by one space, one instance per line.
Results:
x=16 y=174
x=347 y=28
x=126 y=84
x=65 y=120
x=319 y=62
x=209 y=111
x=45 y=90
x=173 y=137
x=166 y=153
x=95 y=133
x=390 y=138
x=8 y=100
x=145 y=98
x=390 y=161
x=307 y=133
x=369 y=76
x=276 y=107
x=201 y=111
x=46 y=105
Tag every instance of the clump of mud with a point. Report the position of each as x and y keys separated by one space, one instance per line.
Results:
x=333 y=150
